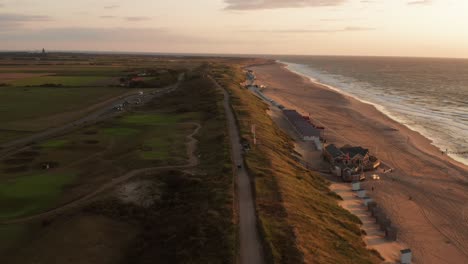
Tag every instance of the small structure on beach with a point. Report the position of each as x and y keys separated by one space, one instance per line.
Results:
x=406 y=256
x=391 y=233
x=306 y=131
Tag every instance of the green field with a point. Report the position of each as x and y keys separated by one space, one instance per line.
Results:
x=63 y=80
x=134 y=141
x=31 y=193
x=30 y=108
x=150 y=119
x=57 y=143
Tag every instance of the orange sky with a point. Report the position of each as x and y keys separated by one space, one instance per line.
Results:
x=437 y=28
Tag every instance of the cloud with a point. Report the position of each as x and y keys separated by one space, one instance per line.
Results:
x=98 y=35
x=9 y=21
x=9 y=17
x=420 y=2
x=345 y=29
x=274 y=4
x=137 y=18
x=111 y=6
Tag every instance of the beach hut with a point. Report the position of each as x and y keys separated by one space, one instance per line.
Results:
x=385 y=223
x=391 y=233
x=356 y=186
x=371 y=205
x=367 y=200
x=380 y=217
x=361 y=193
x=406 y=256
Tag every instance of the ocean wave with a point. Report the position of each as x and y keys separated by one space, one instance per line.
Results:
x=441 y=121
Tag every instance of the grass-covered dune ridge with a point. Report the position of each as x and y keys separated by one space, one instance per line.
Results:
x=298 y=215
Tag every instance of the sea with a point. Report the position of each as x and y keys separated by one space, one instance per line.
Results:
x=428 y=95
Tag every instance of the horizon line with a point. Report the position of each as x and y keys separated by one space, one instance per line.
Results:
x=219 y=54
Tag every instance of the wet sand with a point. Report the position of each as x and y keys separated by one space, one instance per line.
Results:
x=426 y=195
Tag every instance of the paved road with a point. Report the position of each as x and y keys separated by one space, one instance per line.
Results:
x=191 y=162
x=250 y=245
x=99 y=115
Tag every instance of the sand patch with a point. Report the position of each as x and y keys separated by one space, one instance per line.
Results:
x=141 y=193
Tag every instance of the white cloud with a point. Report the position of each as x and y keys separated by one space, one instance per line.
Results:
x=137 y=18
x=420 y=2
x=273 y=4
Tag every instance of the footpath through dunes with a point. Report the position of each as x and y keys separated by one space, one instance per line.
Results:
x=298 y=217
x=249 y=240
x=192 y=162
x=425 y=196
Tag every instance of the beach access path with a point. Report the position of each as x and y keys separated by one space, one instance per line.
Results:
x=249 y=239
x=425 y=196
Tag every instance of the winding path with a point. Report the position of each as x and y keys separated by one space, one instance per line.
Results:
x=192 y=162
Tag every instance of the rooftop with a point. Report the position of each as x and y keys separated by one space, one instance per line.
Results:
x=333 y=150
x=301 y=125
x=354 y=151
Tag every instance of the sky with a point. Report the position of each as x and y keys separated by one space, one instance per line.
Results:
x=423 y=28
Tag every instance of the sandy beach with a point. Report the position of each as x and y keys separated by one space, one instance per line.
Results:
x=426 y=195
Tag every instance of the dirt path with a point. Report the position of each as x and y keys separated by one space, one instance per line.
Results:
x=192 y=162
x=249 y=239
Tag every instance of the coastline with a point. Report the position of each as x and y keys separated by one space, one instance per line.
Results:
x=380 y=108
x=427 y=190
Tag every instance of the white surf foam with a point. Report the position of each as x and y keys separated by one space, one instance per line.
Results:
x=448 y=135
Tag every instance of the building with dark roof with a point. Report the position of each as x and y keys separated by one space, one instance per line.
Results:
x=306 y=131
x=356 y=155
x=333 y=154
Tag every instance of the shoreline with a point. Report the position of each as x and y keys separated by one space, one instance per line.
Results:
x=382 y=109
x=427 y=190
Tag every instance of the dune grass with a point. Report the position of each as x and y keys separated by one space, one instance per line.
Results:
x=299 y=218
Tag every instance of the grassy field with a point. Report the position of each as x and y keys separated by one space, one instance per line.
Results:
x=31 y=193
x=191 y=218
x=298 y=215
x=28 y=108
x=28 y=104
x=61 y=80
x=134 y=141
